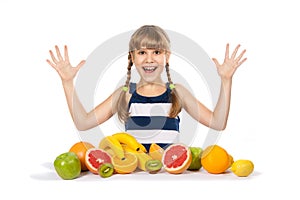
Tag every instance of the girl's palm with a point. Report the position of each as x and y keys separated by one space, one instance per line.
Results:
x=62 y=65
x=230 y=64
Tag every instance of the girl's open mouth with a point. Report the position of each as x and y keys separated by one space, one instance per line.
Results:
x=149 y=69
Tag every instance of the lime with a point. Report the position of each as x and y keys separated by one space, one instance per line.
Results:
x=196 y=158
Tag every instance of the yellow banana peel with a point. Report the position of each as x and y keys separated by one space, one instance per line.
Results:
x=129 y=140
x=113 y=144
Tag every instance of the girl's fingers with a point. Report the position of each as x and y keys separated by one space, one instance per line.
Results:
x=216 y=62
x=241 y=55
x=241 y=62
x=227 y=52
x=66 y=53
x=53 y=57
x=58 y=53
x=80 y=64
x=235 y=51
x=51 y=63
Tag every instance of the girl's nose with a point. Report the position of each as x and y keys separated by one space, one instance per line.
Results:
x=149 y=58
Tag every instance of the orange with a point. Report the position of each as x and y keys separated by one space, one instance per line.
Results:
x=125 y=166
x=215 y=159
x=231 y=160
x=80 y=149
x=156 y=152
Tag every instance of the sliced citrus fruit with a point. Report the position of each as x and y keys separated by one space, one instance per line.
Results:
x=126 y=165
x=156 y=152
x=95 y=157
x=177 y=158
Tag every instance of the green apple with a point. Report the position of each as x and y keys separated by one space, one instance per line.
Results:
x=67 y=165
x=196 y=158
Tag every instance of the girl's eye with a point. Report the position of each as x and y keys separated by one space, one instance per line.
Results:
x=141 y=52
x=157 y=52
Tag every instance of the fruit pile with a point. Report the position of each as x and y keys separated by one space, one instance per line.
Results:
x=121 y=153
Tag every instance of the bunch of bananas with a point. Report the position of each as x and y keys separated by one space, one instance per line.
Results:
x=119 y=143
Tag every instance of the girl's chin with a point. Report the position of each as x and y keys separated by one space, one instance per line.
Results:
x=151 y=79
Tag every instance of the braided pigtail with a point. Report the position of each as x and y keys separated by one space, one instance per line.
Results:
x=176 y=106
x=121 y=103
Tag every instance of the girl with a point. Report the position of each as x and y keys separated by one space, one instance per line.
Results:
x=149 y=108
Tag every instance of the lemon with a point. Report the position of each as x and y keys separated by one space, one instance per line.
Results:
x=242 y=168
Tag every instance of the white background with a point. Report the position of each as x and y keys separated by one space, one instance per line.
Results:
x=262 y=126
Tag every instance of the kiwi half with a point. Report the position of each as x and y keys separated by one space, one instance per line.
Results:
x=106 y=170
x=153 y=166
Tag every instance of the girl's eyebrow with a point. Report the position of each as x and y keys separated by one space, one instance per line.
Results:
x=153 y=49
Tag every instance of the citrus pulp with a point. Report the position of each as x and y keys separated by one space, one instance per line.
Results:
x=177 y=158
x=127 y=165
x=95 y=157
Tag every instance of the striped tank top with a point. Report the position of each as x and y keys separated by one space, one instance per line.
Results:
x=148 y=119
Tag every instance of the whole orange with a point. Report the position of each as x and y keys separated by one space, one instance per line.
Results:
x=80 y=149
x=215 y=159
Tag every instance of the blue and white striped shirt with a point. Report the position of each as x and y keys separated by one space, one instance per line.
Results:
x=148 y=118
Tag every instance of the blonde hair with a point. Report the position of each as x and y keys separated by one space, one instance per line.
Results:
x=148 y=36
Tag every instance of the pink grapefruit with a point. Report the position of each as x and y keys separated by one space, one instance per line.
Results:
x=177 y=158
x=95 y=157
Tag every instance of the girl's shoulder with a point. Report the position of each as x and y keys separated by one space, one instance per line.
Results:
x=180 y=88
x=182 y=91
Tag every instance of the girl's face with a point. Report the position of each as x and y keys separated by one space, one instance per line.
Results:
x=150 y=63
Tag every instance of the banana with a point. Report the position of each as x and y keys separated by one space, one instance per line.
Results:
x=142 y=148
x=142 y=157
x=112 y=143
x=128 y=139
x=110 y=151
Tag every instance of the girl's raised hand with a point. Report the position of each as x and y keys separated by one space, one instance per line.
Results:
x=230 y=64
x=62 y=64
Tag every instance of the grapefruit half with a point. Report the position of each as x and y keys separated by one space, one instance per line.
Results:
x=177 y=158
x=95 y=157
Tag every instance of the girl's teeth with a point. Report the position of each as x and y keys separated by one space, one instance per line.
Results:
x=149 y=69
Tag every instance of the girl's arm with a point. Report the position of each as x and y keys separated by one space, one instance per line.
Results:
x=216 y=119
x=226 y=71
x=82 y=119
